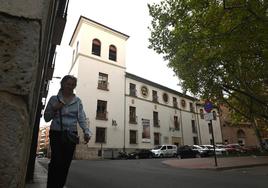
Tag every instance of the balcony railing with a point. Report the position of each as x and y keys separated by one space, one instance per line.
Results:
x=191 y=109
x=156 y=123
x=175 y=104
x=102 y=115
x=133 y=92
x=176 y=125
x=103 y=85
x=133 y=119
x=155 y=99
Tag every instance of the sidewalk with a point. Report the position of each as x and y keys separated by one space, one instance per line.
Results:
x=40 y=177
x=40 y=173
x=222 y=163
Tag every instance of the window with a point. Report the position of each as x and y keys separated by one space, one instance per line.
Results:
x=194 y=130
x=155 y=97
x=132 y=137
x=183 y=103
x=191 y=107
x=210 y=129
x=96 y=47
x=201 y=113
x=214 y=115
x=100 y=134
x=176 y=123
x=132 y=90
x=195 y=140
x=156 y=120
x=112 y=53
x=156 y=138
x=175 y=103
x=211 y=142
x=103 y=81
x=101 y=110
x=132 y=115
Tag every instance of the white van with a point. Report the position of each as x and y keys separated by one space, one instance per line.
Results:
x=165 y=150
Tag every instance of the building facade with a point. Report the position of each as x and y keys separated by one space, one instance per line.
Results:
x=127 y=112
x=242 y=133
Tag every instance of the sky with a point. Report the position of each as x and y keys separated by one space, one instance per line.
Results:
x=130 y=17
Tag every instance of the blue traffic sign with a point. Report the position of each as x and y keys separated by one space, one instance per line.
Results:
x=208 y=106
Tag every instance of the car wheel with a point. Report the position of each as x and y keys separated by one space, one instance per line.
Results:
x=197 y=155
x=161 y=156
x=179 y=156
x=137 y=157
x=150 y=156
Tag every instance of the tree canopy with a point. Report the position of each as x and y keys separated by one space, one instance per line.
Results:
x=219 y=53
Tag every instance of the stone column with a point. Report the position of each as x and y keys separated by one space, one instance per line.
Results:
x=21 y=26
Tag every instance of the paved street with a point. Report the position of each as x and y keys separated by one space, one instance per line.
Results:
x=153 y=173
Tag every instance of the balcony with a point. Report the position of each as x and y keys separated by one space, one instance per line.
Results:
x=156 y=123
x=133 y=92
x=175 y=104
x=176 y=125
x=133 y=119
x=155 y=99
x=102 y=115
x=103 y=86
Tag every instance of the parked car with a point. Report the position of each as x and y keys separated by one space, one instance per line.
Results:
x=187 y=151
x=235 y=148
x=122 y=155
x=141 y=154
x=203 y=151
x=218 y=150
x=165 y=150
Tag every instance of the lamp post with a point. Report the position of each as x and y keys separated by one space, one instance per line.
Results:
x=208 y=107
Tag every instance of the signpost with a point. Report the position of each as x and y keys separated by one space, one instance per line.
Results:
x=209 y=117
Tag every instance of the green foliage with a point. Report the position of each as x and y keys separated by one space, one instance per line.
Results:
x=217 y=53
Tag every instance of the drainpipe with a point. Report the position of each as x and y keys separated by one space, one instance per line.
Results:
x=181 y=127
x=198 y=124
x=124 y=141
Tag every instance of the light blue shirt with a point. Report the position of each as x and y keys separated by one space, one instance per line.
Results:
x=72 y=113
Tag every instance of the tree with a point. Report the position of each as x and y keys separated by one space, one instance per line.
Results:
x=217 y=53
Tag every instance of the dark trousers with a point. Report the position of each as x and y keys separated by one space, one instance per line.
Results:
x=61 y=158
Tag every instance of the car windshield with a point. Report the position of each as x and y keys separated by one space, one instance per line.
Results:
x=196 y=147
x=209 y=147
x=157 y=147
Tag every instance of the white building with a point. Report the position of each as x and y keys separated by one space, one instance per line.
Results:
x=126 y=111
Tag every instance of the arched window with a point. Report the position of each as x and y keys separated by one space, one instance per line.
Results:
x=241 y=137
x=96 y=47
x=112 y=52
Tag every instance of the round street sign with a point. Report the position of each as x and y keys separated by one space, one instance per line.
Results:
x=208 y=106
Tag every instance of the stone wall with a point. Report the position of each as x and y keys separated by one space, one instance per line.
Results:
x=22 y=27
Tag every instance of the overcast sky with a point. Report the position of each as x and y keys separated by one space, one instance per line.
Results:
x=130 y=17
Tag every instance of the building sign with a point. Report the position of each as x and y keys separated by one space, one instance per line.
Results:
x=145 y=130
x=208 y=116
